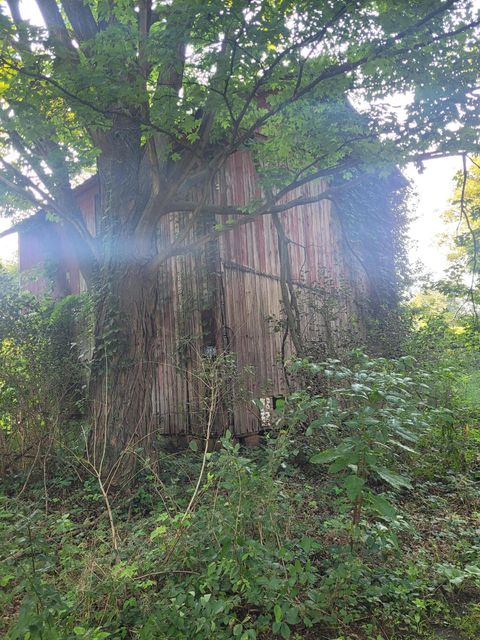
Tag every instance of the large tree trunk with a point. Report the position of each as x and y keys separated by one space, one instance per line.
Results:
x=123 y=370
x=125 y=294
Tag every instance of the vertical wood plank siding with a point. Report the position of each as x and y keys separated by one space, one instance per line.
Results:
x=244 y=297
x=226 y=296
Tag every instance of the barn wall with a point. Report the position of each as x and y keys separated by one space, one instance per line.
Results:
x=235 y=283
x=226 y=296
x=31 y=252
x=47 y=261
x=187 y=330
x=331 y=285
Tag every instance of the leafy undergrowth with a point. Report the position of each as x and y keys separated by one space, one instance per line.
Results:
x=334 y=528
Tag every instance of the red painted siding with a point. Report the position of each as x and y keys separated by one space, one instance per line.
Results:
x=226 y=294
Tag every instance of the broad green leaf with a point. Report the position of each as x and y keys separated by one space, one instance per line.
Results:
x=394 y=479
x=329 y=455
x=343 y=462
x=285 y=631
x=278 y=613
x=383 y=506
x=406 y=434
x=292 y=616
x=354 y=486
x=323 y=457
x=402 y=446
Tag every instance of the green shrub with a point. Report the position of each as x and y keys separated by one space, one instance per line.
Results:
x=41 y=378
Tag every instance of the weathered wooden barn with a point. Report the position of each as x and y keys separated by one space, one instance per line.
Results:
x=227 y=297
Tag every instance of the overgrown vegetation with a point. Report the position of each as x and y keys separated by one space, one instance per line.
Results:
x=356 y=519
x=358 y=516
x=42 y=381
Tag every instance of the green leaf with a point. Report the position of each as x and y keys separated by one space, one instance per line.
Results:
x=472 y=570
x=329 y=455
x=402 y=446
x=405 y=434
x=394 y=479
x=383 y=507
x=342 y=463
x=292 y=616
x=278 y=613
x=158 y=532
x=453 y=574
x=354 y=486
x=323 y=457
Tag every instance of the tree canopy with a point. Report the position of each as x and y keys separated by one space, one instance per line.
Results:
x=179 y=86
x=463 y=244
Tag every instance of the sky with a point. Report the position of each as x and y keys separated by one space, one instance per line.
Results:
x=434 y=186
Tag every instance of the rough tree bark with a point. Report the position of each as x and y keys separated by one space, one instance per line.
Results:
x=123 y=369
x=125 y=300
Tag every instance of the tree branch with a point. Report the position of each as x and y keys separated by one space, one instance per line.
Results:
x=175 y=249
x=471 y=230
x=346 y=67
x=316 y=38
x=27 y=183
x=26 y=192
x=81 y=18
x=26 y=153
x=107 y=113
x=56 y=27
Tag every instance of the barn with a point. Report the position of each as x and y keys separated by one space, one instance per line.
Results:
x=314 y=275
